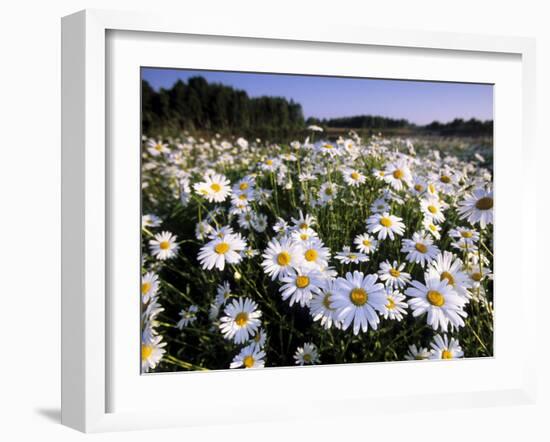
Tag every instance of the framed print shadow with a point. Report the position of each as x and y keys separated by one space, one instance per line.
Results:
x=284 y=208
x=303 y=220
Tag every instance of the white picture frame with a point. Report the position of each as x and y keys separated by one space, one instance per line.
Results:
x=87 y=167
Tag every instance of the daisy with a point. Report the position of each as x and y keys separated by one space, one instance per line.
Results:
x=353 y=177
x=156 y=148
x=149 y=286
x=467 y=235
x=241 y=320
x=202 y=230
x=442 y=348
x=163 y=245
x=327 y=192
x=398 y=175
x=385 y=225
x=149 y=221
x=419 y=186
x=246 y=219
x=320 y=306
x=346 y=256
x=259 y=338
x=299 y=286
x=187 y=317
x=431 y=228
x=380 y=205
x=356 y=299
x=432 y=209
x=185 y=192
x=365 y=243
x=314 y=254
x=270 y=165
x=215 y=188
x=307 y=355
x=441 y=303
x=152 y=351
x=220 y=251
x=281 y=226
x=445 y=181
x=477 y=207
x=280 y=257
x=303 y=235
x=420 y=249
x=417 y=354
x=395 y=307
x=448 y=266
x=393 y=275
x=259 y=222
x=303 y=222
x=250 y=356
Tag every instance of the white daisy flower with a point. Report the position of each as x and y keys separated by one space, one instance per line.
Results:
x=280 y=257
x=163 y=246
x=395 y=305
x=441 y=303
x=420 y=249
x=303 y=222
x=432 y=208
x=215 y=188
x=241 y=320
x=150 y=221
x=398 y=175
x=365 y=243
x=356 y=300
x=417 y=353
x=149 y=286
x=157 y=147
x=259 y=222
x=327 y=192
x=203 y=230
x=380 y=205
x=187 y=317
x=250 y=356
x=307 y=355
x=448 y=266
x=431 y=228
x=220 y=251
x=346 y=256
x=467 y=235
x=223 y=293
x=353 y=177
x=259 y=338
x=313 y=254
x=442 y=348
x=152 y=351
x=385 y=225
x=477 y=207
x=299 y=286
x=320 y=306
x=303 y=235
x=393 y=275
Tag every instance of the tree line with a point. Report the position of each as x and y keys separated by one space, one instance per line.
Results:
x=197 y=105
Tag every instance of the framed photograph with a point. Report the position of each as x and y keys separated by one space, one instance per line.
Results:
x=291 y=221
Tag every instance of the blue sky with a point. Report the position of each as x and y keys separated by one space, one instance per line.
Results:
x=420 y=102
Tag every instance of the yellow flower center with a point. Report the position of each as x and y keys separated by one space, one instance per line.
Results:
x=445 y=179
x=307 y=358
x=467 y=234
x=418 y=187
x=435 y=298
x=446 y=354
x=432 y=209
x=311 y=255
x=164 y=245
x=248 y=361
x=352 y=257
x=221 y=248
x=354 y=175
x=145 y=287
x=269 y=162
x=391 y=304
x=421 y=247
x=476 y=276
x=302 y=281
x=450 y=279
x=359 y=296
x=243 y=186
x=146 y=351
x=485 y=203
x=385 y=221
x=283 y=259
x=242 y=197
x=366 y=243
x=303 y=236
x=398 y=174
x=432 y=227
x=241 y=319
x=395 y=273
x=328 y=191
x=257 y=337
x=326 y=301
x=303 y=226
x=215 y=187
x=158 y=147
x=328 y=146
x=431 y=188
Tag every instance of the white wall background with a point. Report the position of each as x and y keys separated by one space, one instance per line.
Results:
x=30 y=220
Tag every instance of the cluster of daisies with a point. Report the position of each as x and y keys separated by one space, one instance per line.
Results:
x=357 y=235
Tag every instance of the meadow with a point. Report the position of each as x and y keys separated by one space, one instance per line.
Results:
x=348 y=250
